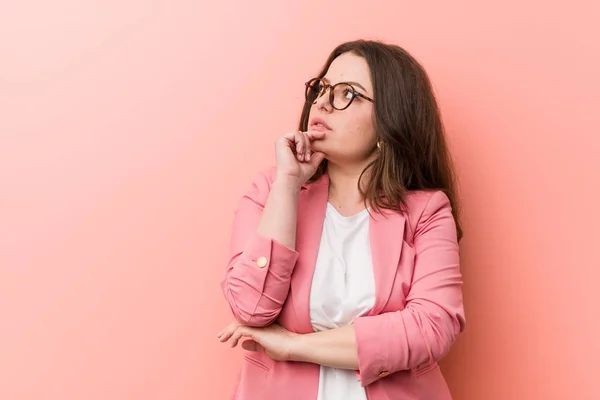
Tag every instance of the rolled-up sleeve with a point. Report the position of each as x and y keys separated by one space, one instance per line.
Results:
x=426 y=328
x=258 y=274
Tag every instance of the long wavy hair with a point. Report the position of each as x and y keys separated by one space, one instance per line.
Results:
x=414 y=154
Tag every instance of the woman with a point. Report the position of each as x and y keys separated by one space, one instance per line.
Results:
x=344 y=273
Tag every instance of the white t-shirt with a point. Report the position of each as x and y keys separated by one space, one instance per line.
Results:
x=343 y=288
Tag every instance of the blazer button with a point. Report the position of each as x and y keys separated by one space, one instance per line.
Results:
x=261 y=262
x=383 y=374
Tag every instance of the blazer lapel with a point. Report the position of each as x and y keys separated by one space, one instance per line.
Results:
x=386 y=235
x=309 y=225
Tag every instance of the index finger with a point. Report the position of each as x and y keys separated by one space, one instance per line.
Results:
x=315 y=135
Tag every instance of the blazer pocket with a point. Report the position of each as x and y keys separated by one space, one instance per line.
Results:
x=257 y=362
x=426 y=369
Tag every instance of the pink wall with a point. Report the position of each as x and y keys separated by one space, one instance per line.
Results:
x=118 y=186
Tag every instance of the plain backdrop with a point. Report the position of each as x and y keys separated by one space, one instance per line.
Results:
x=129 y=129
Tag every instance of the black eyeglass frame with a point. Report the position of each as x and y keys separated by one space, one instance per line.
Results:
x=355 y=93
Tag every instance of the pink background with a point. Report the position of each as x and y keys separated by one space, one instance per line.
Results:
x=129 y=130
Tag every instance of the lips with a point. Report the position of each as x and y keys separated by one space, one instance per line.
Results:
x=319 y=125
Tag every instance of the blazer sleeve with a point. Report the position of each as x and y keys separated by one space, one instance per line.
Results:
x=425 y=329
x=258 y=274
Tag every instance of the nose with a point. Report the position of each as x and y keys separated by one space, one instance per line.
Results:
x=322 y=102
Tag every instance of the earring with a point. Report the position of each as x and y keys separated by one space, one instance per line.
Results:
x=379 y=145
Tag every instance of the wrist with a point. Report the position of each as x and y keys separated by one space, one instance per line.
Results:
x=298 y=349
x=287 y=182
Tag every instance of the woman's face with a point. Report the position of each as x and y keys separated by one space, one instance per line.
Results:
x=350 y=134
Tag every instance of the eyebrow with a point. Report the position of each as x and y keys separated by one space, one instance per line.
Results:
x=350 y=82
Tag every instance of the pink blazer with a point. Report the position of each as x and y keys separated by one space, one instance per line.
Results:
x=418 y=311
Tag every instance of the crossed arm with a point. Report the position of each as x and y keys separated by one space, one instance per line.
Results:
x=423 y=332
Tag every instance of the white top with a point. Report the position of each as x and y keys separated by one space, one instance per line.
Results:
x=343 y=288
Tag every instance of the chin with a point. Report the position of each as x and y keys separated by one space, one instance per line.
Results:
x=320 y=147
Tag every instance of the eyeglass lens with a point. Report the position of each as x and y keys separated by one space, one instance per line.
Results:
x=341 y=96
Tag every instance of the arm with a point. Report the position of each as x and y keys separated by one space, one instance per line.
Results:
x=334 y=348
x=257 y=278
x=421 y=333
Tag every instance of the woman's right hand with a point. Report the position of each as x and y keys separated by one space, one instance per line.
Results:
x=295 y=160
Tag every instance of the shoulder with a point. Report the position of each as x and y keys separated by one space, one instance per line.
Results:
x=422 y=205
x=417 y=201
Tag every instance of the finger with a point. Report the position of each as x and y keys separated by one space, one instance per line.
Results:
x=227 y=331
x=223 y=331
x=315 y=135
x=289 y=135
x=223 y=337
x=237 y=335
x=305 y=146
x=289 y=139
x=298 y=140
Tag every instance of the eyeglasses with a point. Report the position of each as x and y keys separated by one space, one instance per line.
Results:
x=341 y=94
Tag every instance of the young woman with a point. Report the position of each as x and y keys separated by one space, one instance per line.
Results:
x=344 y=275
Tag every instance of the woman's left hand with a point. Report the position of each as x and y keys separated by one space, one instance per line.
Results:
x=274 y=340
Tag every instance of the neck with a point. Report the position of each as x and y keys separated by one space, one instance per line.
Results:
x=343 y=184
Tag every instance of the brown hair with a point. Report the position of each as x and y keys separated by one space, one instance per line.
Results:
x=413 y=153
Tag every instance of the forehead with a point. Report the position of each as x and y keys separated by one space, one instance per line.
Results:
x=350 y=67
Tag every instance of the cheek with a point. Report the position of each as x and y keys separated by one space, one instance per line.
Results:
x=361 y=129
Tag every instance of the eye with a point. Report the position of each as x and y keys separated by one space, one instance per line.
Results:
x=348 y=93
